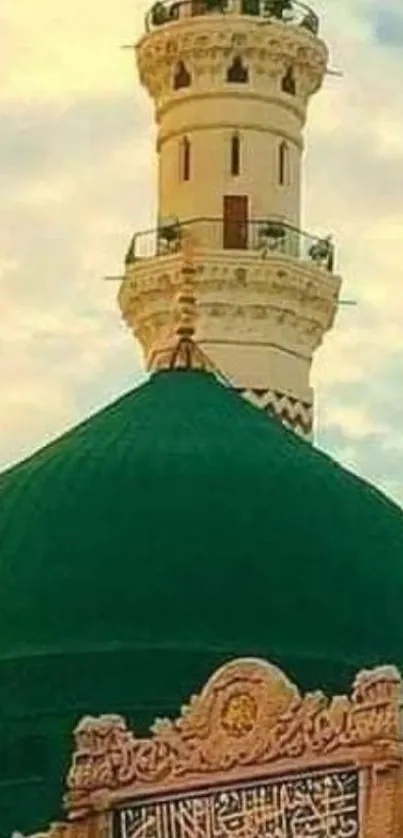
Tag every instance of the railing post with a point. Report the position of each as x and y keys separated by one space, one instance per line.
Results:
x=185 y=9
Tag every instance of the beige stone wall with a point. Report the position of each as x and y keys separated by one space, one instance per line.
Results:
x=252 y=365
x=209 y=123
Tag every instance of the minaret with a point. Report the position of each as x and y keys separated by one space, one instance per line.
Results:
x=231 y=81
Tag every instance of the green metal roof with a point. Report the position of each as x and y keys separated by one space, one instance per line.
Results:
x=174 y=530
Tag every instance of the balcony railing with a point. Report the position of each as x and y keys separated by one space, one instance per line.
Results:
x=265 y=237
x=286 y=11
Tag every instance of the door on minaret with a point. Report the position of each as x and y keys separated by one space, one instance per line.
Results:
x=236 y=222
x=198 y=7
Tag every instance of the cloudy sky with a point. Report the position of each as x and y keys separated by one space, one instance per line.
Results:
x=78 y=177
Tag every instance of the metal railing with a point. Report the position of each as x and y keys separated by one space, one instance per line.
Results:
x=287 y=11
x=267 y=237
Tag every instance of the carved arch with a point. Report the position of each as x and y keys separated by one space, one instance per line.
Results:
x=182 y=77
x=288 y=82
x=237 y=73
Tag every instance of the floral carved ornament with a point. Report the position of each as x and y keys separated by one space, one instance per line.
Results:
x=248 y=716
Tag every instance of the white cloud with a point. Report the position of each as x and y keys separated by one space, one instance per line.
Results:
x=33 y=410
x=60 y=50
x=354 y=421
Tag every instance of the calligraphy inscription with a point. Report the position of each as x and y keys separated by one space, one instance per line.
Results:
x=314 y=805
x=248 y=717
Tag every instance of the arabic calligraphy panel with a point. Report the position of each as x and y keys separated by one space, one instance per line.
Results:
x=322 y=804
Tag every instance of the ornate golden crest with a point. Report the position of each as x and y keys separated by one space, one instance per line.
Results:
x=248 y=721
x=239 y=714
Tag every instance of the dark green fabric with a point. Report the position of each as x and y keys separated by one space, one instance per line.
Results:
x=174 y=530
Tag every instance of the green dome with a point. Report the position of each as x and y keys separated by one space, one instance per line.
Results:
x=172 y=531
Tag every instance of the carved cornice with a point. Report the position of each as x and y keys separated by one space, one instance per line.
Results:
x=208 y=44
x=292 y=105
x=165 y=135
x=239 y=298
x=248 y=720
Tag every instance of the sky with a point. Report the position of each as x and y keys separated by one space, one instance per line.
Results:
x=78 y=177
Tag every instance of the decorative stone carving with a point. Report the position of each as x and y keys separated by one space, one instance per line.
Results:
x=278 y=292
x=208 y=47
x=240 y=299
x=248 y=719
x=293 y=412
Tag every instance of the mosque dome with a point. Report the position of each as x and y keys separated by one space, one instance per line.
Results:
x=176 y=529
x=181 y=527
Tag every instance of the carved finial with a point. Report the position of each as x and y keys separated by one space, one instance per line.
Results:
x=179 y=349
x=186 y=313
x=189 y=243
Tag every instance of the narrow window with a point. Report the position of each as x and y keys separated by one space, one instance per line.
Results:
x=181 y=76
x=288 y=82
x=237 y=72
x=282 y=163
x=235 y=155
x=185 y=159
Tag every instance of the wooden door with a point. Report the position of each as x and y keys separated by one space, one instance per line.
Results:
x=198 y=7
x=236 y=222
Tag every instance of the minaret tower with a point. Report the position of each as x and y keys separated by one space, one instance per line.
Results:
x=231 y=81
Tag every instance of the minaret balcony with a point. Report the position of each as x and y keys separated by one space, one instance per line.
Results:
x=262 y=289
x=164 y=12
x=262 y=239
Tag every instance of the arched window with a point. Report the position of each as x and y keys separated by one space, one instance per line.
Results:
x=182 y=77
x=185 y=153
x=283 y=163
x=288 y=82
x=237 y=73
x=235 y=155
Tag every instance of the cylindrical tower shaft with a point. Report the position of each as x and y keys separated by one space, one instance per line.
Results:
x=231 y=81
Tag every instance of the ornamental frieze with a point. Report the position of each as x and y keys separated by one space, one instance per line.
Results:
x=265 y=289
x=208 y=46
x=248 y=721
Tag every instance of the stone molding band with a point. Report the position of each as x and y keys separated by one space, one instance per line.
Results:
x=224 y=93
x=190 y=128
